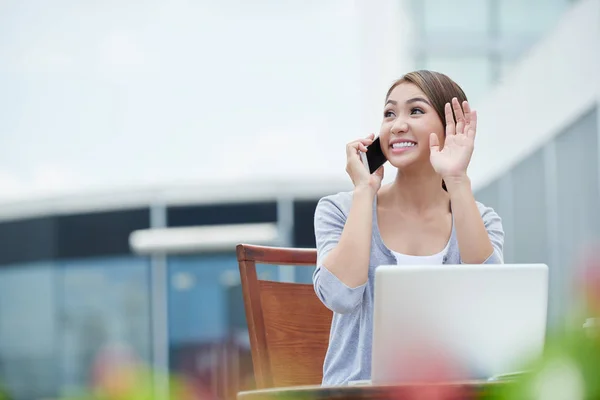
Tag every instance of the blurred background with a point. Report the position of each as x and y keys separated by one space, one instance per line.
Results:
x=140 y=141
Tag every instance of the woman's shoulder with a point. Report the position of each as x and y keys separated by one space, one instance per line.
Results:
x=338 y=203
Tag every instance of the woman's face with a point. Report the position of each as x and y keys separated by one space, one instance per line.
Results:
x=408 y=120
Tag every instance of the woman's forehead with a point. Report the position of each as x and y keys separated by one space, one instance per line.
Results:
x=405 y=91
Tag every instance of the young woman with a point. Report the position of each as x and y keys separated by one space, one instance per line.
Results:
x=428 y=215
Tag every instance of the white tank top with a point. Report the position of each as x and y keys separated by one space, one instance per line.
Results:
x=435 y=259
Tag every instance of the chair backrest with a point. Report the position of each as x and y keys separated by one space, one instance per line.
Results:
x=288 y=325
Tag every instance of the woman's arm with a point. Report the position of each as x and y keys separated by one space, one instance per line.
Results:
x=349 y=259
x=344 y=241
x=474 y=241
x=480 y=237
x=343 y=249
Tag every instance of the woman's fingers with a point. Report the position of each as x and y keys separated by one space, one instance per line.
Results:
x=467 y=112
x=434 y=143
x=359 y=144
x=450 y=126
x=351 y=149
x=460 y=117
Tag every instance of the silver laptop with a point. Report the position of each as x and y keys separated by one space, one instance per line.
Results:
x=457 y=321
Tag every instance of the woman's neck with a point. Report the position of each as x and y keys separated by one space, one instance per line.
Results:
x=416 y=191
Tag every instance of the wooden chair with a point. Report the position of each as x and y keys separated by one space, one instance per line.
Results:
x=288 y=324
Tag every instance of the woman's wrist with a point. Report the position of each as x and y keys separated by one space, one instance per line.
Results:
x=458 y=184
x=365 y=190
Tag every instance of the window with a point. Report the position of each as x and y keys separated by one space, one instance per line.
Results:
x=577 y=188
x=104 y=302
x=529 y=210
x=473 y=74
x=195 y=282
x=206 y=311
x=517 y=17
x=456 y=17
x=28 y=331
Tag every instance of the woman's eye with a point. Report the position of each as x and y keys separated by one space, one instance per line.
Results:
x=416 y=111
x=388 y=114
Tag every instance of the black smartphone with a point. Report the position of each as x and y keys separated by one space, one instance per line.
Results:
x=373 y=158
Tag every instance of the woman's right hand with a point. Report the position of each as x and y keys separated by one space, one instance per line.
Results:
x=355 y=168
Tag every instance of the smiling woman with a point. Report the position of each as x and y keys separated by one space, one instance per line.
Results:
x=427 y=215
x=437 y=93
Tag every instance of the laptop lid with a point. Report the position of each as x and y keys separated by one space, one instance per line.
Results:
x=457 y=321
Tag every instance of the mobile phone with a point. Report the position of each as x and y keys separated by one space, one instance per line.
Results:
x=373 y=158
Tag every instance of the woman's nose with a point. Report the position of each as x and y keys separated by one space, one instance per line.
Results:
x=399 y=126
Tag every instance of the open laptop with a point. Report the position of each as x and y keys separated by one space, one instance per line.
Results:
x=457 y=321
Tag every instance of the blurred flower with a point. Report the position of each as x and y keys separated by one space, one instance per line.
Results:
x=428 y=373
x=117 y=374
x=432 y=391
x=426 y=362
x=559 y=378
x=569 y=367
x=588 y=281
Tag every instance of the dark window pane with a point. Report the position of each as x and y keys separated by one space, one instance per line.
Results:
x=27 y=240
x=98 y=234
x=222 y=214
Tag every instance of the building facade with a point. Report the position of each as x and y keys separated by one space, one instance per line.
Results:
x=71 y=286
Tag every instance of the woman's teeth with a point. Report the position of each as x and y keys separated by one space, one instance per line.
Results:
x=403 y=144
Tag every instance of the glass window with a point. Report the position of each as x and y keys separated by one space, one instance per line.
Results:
x=530 y=223
x=529 y=17
x=473 y=74
x=206 y=312
x=194 y=283
x=456 y=17
x=578 y=196
x=105 y=305
x=28 y=331
x=529 y=210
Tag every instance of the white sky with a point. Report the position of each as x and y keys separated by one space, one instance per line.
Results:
x=95 y=95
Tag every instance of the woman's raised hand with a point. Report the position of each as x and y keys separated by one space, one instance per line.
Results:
x=453 y=159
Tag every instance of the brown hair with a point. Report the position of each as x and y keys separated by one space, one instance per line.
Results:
x=438 y=88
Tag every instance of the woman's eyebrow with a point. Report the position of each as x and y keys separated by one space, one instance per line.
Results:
x=415 y=99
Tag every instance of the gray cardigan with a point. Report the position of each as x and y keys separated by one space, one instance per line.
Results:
x=349 y=355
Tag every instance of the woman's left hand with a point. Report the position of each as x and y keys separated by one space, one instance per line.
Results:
x=452 y=160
